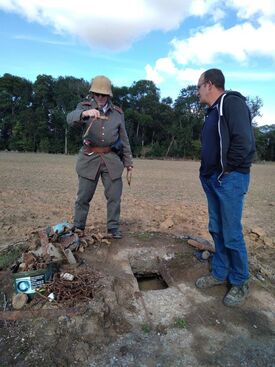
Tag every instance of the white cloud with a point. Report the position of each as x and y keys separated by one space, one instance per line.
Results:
x=117 y=24
x=166 y=65
x=202 y=7
x=213 y=45
x=186 y=76
x=111 y=24
x=238 y=42
x=153 y=74
x=247 y=8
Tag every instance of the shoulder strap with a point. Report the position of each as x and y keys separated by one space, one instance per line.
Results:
x=86 y=103
x=118 y=109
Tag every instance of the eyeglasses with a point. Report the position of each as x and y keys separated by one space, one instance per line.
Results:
x=100 y=94
x=200 y=85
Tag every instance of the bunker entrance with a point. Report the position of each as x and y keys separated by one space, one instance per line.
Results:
x=150 y=281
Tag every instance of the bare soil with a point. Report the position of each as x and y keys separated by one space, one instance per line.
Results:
x=39 y=190
x=123 y=326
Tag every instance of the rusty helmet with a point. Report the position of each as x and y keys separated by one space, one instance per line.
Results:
x=101 y=84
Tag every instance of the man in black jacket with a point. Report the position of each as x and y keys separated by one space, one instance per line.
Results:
x=228 y=148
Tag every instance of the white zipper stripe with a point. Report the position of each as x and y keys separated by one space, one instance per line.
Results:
x=219 y=131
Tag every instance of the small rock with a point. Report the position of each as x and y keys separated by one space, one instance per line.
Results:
x=81 y=248
x=54 y=252
x=19 y=300
x=70 y=257
x=205 y=255
x=104 y=240
x=196 y=244
x=168 y=256
x=260 y=277
x=168 y=223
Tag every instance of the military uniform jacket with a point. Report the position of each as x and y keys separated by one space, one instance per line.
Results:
x=102 y=133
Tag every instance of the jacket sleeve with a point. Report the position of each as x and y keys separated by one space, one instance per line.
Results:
x=238 y=119
x=127 y=153
x=74 y=117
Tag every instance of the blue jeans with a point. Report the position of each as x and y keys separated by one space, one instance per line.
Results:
x=225 y=205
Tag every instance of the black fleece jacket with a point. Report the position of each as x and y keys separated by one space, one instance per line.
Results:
x=235 y=134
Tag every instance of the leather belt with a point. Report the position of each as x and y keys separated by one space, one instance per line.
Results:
x=90 y=150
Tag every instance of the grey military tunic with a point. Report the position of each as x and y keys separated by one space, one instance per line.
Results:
x=102 y=133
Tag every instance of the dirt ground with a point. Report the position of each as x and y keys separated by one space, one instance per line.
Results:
x=39 y=190
x=177 y=326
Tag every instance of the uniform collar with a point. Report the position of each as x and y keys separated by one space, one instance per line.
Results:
x=105 y=109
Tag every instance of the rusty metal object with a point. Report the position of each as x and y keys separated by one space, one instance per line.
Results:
x=68 y=294
x=129 y=177
x=81 y=288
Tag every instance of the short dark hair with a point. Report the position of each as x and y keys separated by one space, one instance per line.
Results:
x=215 y=76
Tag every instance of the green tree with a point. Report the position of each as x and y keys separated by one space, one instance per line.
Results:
x=265 y=142
x=43 y=104
x=33 y=117
x=188 y=122
x=68 y=92
x=15 y=97
x=255 y=104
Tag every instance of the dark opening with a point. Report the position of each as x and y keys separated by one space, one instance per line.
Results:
x=150 y=281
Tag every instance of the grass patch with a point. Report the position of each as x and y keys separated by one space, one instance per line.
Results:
x=180 y=323
x=183 y=255
x=10 y=255
x=146 y=328
x=144 y=235
x=181 y=240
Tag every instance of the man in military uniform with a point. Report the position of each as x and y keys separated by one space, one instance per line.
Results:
x=104 y=138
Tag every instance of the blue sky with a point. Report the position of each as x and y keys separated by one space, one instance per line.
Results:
x=168 y=41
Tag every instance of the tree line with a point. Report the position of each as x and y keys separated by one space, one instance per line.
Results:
x=33 y=118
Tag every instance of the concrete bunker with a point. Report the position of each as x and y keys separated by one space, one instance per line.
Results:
x=150 y=281
x=148 y=269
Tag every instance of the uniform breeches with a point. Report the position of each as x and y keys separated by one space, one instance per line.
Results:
x=86 y=190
